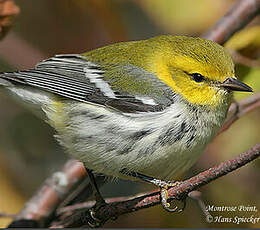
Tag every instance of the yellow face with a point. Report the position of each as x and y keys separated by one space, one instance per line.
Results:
x=196 y=75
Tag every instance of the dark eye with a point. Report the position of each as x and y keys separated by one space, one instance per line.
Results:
x=197 y=77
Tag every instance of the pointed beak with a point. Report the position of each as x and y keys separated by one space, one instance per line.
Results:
x=235 y=85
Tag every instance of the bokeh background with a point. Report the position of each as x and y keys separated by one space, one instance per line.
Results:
x=28 y=151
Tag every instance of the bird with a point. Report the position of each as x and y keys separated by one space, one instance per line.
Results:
x=139 y=110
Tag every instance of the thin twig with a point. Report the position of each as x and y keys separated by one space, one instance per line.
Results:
x=240 y=59
x=8 y=11
x=196 y=195
x=55 y=189
x=6 y=215
x=240 y=109
x=235 y=19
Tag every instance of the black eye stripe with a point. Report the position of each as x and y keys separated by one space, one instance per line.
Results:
x=197 y=77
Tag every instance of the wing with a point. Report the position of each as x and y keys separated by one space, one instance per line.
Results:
x=74 y=77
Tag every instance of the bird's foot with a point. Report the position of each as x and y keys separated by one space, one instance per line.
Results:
x=163 y=185
x=164 y=197
x=96 y=222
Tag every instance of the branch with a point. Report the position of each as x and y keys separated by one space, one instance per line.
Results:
x=8 y=11
x=4 y=215
x=235 y=19
x=241 y=59
x=146 y=200
x=240 y=109
x=54 y=190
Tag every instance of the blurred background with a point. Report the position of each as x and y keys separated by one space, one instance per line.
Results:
x=28 y=151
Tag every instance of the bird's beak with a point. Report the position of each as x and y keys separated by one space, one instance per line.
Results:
x=233 y=84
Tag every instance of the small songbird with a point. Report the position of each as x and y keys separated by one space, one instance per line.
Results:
x=139 y=110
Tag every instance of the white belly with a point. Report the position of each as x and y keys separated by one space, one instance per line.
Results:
x=158 y=145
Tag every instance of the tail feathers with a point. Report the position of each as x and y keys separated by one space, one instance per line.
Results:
x=8 y=79
x=33 y=97
x=5 y=79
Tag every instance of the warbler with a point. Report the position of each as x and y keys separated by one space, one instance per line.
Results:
x=134 y=110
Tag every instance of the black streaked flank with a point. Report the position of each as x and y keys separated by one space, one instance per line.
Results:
x=192 y=130
x=180 y=133
x=190 y=139
x=176 y=133
x=99 y=117
x=183 y=124
x=113 y=129
x=126 y=149
x=140 y=134
x=165 y=138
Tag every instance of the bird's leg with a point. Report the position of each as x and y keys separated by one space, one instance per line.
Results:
x=98 y=197
x=164 y=186
x=97 y=194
